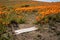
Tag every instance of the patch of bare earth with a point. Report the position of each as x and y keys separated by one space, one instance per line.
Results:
x=46 y=32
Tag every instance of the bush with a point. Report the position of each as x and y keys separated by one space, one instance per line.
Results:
x=4 y=35
x=20 y=20
x=25 y=5
x=49 y=18
x=2 y=28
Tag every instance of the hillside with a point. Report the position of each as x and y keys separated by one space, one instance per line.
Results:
x=32 y=3
x=16 y=15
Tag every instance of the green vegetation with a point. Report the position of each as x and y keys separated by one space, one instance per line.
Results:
x=49 y=19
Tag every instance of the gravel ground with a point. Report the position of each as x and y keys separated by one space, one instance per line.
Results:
x=46 y=32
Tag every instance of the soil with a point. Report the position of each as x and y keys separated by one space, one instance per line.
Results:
x=45 y=32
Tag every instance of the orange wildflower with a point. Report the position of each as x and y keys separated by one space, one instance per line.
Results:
x=0 y=12
x=38 y=18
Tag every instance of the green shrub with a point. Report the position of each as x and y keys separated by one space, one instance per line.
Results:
x=2 y=28
x=20 y=20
